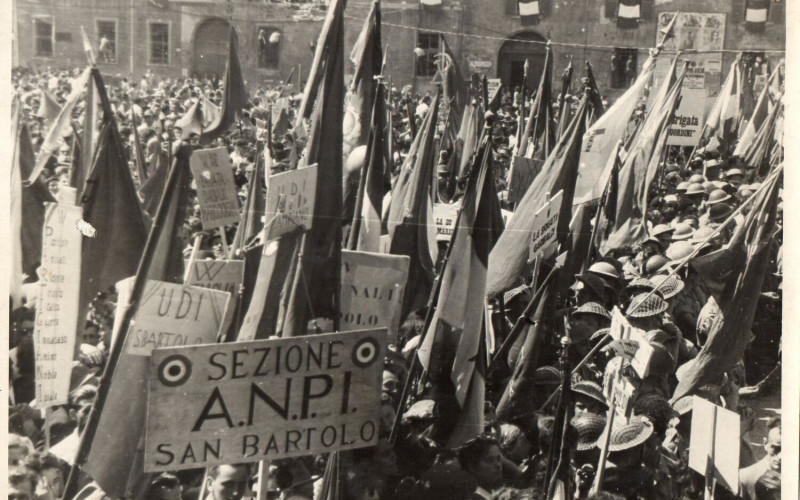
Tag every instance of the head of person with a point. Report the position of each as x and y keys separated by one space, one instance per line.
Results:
x=391 y=384
x=54 y=473
x=772 y=443
x=165 y=486
x=227 y=482
x=21 y=483
x=19 y=447
x=481 y=457
x=514 y=443
x=91 y=333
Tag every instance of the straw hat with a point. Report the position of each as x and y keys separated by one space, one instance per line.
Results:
x=589 y=427
x=594 y=308
x=591 y=390
x=669 y=286
x=644 y=306
x=629 y=435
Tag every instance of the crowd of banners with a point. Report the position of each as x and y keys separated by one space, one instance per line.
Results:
x=211 y=370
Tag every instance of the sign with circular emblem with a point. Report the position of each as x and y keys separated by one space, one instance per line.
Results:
x=174 y=370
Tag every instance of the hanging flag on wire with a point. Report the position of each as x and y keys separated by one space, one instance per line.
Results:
x=529 y=11
x=629 y=12
x=756 y=13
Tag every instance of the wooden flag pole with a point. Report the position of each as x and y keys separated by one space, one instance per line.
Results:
x=711 y=479
x=225 y=250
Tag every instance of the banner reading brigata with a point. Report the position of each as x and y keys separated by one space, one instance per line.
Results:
x=216 y=189
x=263 y=400
x=57 y=308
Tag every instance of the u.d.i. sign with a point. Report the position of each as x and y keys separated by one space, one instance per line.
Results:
x=263 y=400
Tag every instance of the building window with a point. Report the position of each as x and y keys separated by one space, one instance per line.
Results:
x=427 y=48
x=159 y=43
x=107 y=40
x=43 y=34
x=269 y=47
x=623 y=67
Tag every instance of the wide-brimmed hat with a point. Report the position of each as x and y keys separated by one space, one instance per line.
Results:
x=661 y=229
x=655 y=264
x=669 y=286
x=589 y=427
x=717 y=196
x=605 y=269
x=630 y=435
x=697 y=179
x=547 y=375
x=695 y=188
x=591 y=390
x=594 y=283
x=719 y=212
x=679 y=250
x=734 y=172
x=683 y=231
x=646 y=305
x=594 y=308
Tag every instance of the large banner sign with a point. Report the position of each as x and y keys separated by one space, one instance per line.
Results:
x=290 y=200
x=57 y=308
x=263 y=400
x=702 y=31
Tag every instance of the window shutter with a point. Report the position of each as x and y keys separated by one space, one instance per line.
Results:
x=648 y=10
x=611 y=9
x=545 y=7
x=737 y=11
x=511 y=7
x=777 y=12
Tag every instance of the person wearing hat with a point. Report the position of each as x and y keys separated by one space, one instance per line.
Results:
x=663 y=233
x=632 y=460
x=734 y=177
x=589 y=287
x=588 y=398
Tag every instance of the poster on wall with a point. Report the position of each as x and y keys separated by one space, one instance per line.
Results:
x=695 y=31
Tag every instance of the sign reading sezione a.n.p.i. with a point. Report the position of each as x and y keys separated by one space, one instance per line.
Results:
x=263 y=400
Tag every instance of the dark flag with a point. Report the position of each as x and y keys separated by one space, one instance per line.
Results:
x=250 y=224
x=367 y=55
x=563 y=110
x=539 y=133
x=410 y=221
x=234 y=96
x=748 y=255
x=27 y=205
x=316 y=282
x=456 y=337
x=596 y=98
x=151 y=189
x=509 y=259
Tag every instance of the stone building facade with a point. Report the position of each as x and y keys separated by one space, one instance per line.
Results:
x=189 y=37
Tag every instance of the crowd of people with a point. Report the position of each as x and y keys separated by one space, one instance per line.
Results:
x=697 y=190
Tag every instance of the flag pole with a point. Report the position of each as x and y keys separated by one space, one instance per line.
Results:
x=71 y=486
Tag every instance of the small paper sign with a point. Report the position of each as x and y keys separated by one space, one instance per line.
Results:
x=290 y=200
x=545 y=223
x=216 y=189
x=445 y=216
